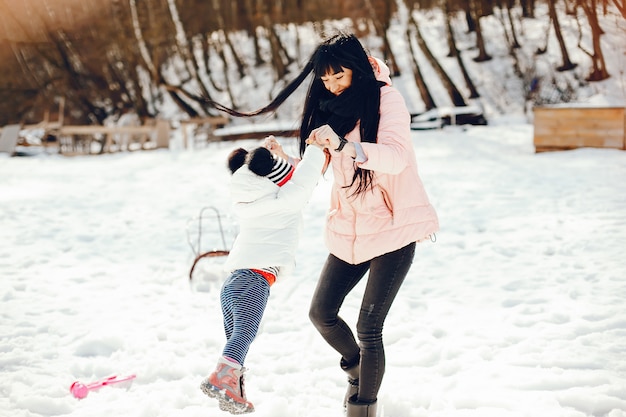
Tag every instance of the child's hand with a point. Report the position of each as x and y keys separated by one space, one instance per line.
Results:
x=311 y=141
x=275 y=147
x=271 y=143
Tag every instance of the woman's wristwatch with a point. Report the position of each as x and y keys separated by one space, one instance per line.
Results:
x=342 y=143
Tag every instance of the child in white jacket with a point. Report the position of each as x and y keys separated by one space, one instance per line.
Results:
x=268 y=196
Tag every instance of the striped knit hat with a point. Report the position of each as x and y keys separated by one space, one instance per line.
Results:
x=262 y=162
x=281 y=172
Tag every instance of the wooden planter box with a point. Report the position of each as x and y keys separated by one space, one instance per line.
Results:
x=560 y=128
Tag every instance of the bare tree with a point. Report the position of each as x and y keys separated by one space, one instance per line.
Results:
x=454 y=52
x=599 y=71
x=453 y=92
x=509 y=4
x=476 y=8
x=567 y=64
x=528 y=8
x=422 y=87
x=381 y=30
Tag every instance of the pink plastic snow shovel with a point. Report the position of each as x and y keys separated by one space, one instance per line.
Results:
x=80 y=390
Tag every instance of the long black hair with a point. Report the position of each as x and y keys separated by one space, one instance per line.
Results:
x=358 y=103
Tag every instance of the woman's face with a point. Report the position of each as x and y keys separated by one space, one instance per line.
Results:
x=337 y=83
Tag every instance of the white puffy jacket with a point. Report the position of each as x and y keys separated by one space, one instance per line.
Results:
x=269 y=216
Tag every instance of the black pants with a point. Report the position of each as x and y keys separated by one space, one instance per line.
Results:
x=338 y=278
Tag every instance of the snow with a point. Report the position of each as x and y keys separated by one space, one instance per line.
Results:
x=516 y=310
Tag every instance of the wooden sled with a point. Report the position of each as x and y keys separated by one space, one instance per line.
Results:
x=207 y=213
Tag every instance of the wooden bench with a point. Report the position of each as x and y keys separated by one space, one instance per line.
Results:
x=561 y=128
x=202 y=126
x=77 y=139
x=8 y=138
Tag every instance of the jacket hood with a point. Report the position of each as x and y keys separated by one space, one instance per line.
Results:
x=381 y=70
x=246 y=186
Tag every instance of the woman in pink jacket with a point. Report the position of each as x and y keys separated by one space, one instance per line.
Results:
x=378 y=210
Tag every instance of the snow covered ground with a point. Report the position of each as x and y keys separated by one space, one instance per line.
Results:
x=516 y=310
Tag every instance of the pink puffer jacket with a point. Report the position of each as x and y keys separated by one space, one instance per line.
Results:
x=397 y=211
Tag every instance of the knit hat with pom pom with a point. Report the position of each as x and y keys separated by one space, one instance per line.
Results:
x=261 y=162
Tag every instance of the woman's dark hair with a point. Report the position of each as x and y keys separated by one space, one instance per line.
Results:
x=359 y=103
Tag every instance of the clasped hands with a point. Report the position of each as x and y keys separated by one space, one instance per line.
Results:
x=322 y=137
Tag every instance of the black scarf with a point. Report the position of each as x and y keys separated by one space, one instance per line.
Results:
x=341 y=112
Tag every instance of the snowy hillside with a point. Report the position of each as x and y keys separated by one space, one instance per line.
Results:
x=502 y=91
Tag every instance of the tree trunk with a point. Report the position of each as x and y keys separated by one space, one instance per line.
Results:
x=258 y=60
x=528 y=8
x=182 y=104
x=252 y=23
x=599 y=71
x=219 y=47
x=388 y=55
x=236 y=57
x=124 y=63
x=422 y=87
x=469 y=17
x=455 y=52
x=141 y=43
x=567 y=64
x=509 y=42
x=452 y=49
x=206 y=50
x=455 y=95
x=542 y=50
x=188 y=57
x=509 y=6
x=221 y=26
x=277 y=60
x=480 y=42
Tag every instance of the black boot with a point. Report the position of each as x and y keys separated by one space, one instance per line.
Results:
x=353 y=380
x=359 y=409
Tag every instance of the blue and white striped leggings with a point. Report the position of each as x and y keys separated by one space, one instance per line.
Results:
x=244 y=297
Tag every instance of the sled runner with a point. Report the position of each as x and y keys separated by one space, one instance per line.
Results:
x=207 y=213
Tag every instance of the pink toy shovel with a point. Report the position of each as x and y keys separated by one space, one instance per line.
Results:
x=80 y=390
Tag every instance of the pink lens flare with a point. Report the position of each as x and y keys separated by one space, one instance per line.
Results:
x=80 y=390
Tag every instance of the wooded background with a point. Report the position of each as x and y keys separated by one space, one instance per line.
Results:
x=105 y=57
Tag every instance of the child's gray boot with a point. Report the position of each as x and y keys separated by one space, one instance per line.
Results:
x=360 y=409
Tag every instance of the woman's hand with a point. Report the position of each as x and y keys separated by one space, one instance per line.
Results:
x=272 y=145
x=325 y=137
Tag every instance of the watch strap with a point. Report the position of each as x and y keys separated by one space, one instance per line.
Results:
x=342 y=143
